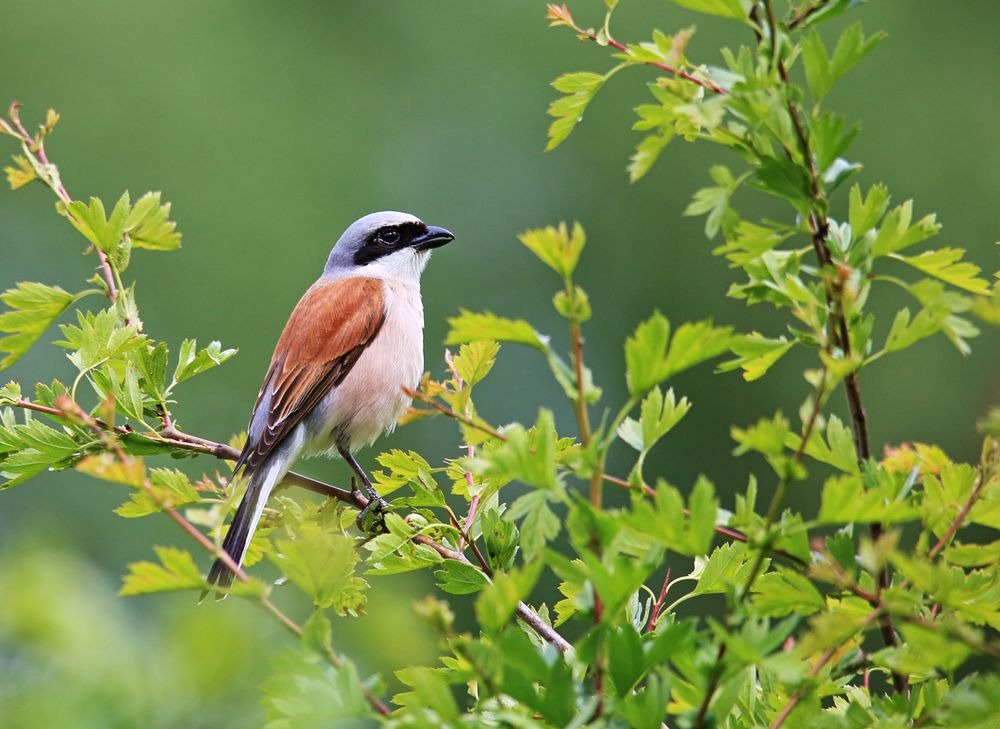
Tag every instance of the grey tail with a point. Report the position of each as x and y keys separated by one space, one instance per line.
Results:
x=240 y=530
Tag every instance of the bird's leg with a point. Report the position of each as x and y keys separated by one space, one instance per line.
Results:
x=375 y=502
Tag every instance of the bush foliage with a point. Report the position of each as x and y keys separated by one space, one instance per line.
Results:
x=877 y=610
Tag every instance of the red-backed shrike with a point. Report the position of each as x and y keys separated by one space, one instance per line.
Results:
x=336 y=379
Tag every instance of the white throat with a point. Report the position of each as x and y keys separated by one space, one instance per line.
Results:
x=404 y=265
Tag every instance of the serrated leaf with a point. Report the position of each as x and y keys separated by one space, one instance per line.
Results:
x=579 y=89
x=556 y=247
x=107 y=233
x=658 y=415
x=864 y=213
x=649 y=360
x=496 y=604
x=823 y=71
x=33 y=307
x=175 y=571
x=149 y=226
x=733 y=9
x=896 y=233
x=191 y=361
x=305 y=692
x=756 y=355
x=22 y=173
x=98 y=338
x=729 y=564
x=947 y=265
x=323 y=564
x=475 y=360
x=647 y=151
x=474 y=327
x=783 y=592
x=460 y=578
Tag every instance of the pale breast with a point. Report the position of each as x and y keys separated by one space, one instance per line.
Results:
x=370 y=400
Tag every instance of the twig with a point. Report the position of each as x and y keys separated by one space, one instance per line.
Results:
x=590 y=35
x=962 y=514
x=28 y=143
x=424 y=398
x=805 y=13
x=829 y=653
x=658 y=605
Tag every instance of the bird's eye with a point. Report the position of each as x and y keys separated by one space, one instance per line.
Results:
x=389 y=236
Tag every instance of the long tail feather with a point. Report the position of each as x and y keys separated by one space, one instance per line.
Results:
x=262 y=482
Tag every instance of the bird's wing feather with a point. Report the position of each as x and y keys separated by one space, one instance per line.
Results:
x=330 y=327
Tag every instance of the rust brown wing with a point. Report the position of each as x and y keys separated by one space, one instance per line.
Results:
x=330 y=327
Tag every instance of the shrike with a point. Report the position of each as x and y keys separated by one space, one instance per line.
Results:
x=336 y=379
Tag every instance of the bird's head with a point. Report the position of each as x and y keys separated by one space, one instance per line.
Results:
x=386 y=245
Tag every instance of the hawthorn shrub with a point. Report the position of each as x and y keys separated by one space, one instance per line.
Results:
x=880 y=609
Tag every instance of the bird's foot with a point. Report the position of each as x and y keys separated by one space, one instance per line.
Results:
x=371 y=520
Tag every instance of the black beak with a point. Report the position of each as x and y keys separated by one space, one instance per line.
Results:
x=434 y=238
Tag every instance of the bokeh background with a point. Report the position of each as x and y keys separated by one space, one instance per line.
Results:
x=271 y=126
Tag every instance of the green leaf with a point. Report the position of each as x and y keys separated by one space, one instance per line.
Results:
x=99 y=338
x=649 y=360
x=460 y=578
x=838 y=450
x=149 y=226
x=783 y=592
x=170 y=489
x=864 y=213
x=474 y=327
x=947 y=265
x=395 y=551
x=305 y=692
x=21 y=174
x=33 y=307
x=768 y=436
x=746 y=242
x=106 y=233
x=659 y=414
x=528 y=456
x=647 y=151
x=323 y=564
x=663 y=520
x=733 y=9
x=475 y=360
x=625 y=659
x=191 y=361
x=905 y=333
x=821 y=70
x=31 y=447
x=783 y=177
x=845 y=500
x=557 y=248
x=756 y=354
x=175 y=571
x=579 y=89
x=496 y=604
x=728 y=565
x=539 y=524
x=428 y=691
x=895 y=233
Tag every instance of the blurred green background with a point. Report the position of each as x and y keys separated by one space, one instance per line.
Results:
x=271 y=126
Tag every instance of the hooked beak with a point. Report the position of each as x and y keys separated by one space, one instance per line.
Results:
x=434 y=238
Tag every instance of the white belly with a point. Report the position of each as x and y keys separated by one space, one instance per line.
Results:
x=370 y=399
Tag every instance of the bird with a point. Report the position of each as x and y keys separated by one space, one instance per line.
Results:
x=337 y=376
